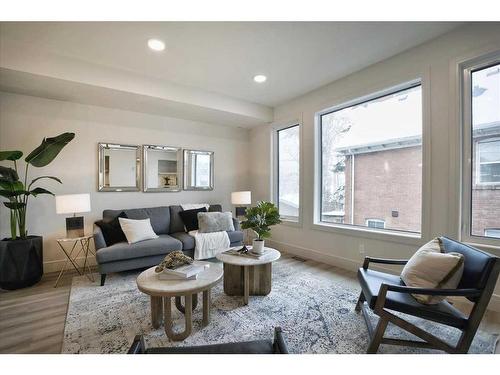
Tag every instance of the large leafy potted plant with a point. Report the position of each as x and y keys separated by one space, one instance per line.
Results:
x=21 y=255
x=260 y=219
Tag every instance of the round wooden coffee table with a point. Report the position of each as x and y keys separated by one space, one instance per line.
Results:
x=245 y=276
x=162 y=291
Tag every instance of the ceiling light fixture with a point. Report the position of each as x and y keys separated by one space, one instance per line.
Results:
x=260 y=78
x=156 y=45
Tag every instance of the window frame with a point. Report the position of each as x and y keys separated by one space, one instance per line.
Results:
x=465 y=70
x=478 y=163
x=421 y=78
x=275 y=129
x=375 y=221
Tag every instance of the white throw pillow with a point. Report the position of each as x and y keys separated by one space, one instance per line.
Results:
x=431 y=267
x=137 y=230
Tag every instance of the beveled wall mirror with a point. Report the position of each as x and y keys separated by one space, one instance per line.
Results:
x=198 y=170
x=119 y=167
x=161 y=168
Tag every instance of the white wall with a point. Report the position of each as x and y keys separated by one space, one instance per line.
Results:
x=25 y=120
x=436 y=62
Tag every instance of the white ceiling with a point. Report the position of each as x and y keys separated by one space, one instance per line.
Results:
x=223 y=57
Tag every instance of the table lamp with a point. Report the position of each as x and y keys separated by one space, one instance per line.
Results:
x=73 y=204
x=240 y=198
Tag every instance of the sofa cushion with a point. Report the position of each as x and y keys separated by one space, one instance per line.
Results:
x=187 y=240
x=176 y=223
x=160 y=217
x=209 y=222
x=162 y=245
x=235 y=236
x=137 y=230
x=190 y=218
x=112 y=230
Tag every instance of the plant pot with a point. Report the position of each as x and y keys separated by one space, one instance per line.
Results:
x=258 y=246
x=21 y=262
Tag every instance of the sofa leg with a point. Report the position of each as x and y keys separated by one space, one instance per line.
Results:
x=103 y=278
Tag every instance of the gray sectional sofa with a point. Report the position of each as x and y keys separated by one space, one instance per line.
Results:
x=166 y=223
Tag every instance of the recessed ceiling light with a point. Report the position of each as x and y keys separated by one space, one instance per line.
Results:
x=156 y=44
x=259 y=78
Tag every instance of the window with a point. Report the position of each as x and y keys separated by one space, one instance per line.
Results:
x=488 y=158
x=287 y=157
x=370 y=161
x=375 y=223
x=481 y=150
x=495 y=233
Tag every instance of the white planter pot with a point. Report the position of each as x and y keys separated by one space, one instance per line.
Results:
x=258 y=246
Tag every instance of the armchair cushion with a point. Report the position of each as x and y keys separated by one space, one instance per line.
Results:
x=429 y=267
x=441 y=312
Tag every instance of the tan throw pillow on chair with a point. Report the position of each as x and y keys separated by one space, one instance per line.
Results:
x=431 y=267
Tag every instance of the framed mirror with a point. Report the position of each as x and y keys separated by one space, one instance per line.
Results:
x=161 y=168
x=198 y=170
x=119 y=167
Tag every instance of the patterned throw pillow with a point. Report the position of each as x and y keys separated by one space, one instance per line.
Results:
x=173 y=260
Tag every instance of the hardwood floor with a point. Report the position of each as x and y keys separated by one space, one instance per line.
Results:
x=32 y=319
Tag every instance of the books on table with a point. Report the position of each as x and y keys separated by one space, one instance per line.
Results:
x=185 y=272
x=248 y=254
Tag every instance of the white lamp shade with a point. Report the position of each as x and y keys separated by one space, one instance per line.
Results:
x=72 y=203
x=241 y=197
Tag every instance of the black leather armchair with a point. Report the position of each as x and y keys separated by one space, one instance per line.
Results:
x=278 y=346
x=383 y=292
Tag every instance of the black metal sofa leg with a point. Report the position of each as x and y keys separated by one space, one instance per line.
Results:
x=103 y=278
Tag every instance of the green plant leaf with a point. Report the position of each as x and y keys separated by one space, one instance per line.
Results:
x=48 y=150
x=8 y=174
x=12 y=193
x=39 y=190
x=51 y=177
x=14 y=205
x=10 y=155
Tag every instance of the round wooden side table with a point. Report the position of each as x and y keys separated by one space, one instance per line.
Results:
x=247 y=276
x=162 y=291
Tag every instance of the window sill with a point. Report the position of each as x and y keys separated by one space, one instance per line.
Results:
x=291 y=223
x=381 y=235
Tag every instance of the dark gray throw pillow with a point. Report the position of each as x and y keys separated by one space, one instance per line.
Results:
x=112 y=231
x=190 y=218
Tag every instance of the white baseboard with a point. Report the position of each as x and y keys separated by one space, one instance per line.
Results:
x=57 y=265
x=345 y=263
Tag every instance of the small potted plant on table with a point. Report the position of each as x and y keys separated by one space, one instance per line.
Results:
x=21 y=257
x=260 y=219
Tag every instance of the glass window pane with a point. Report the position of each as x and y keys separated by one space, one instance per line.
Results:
x=288 y=172
x=371 y=159
x=485 y=192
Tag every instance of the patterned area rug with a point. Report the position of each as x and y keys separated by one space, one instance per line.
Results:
x=316 y=315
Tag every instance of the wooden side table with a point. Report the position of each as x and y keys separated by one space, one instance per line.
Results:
x=244 y=276
x=77 y=246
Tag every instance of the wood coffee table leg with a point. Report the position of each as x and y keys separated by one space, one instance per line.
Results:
x=246 y=284
x=181 y=308
x=206 y=307
x=167 y=314
x=156 y=311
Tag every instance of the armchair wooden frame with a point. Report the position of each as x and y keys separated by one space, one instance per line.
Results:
x=481 y=298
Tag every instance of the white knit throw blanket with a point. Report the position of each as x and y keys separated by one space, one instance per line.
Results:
x=208 y=245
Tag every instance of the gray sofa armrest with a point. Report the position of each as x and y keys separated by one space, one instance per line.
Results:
x=236 y=224
x=99 y=241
